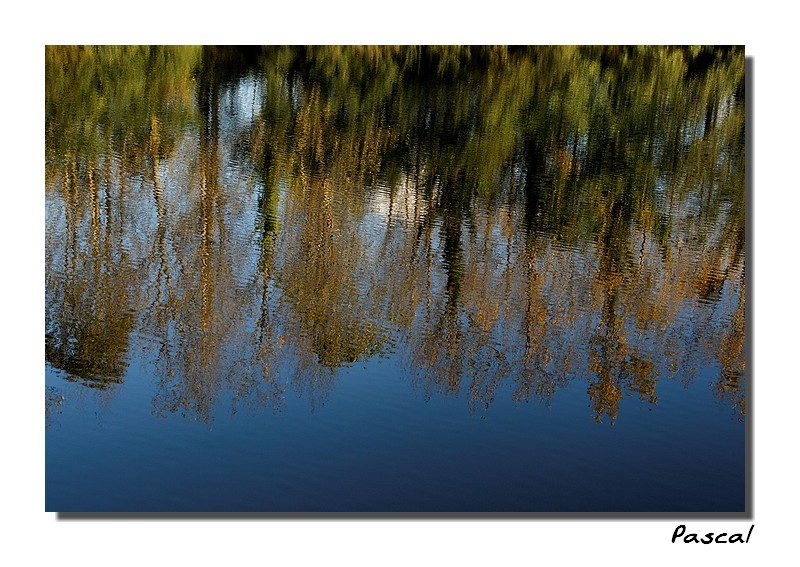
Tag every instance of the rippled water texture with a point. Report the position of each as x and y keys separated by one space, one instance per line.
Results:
x=389 y=279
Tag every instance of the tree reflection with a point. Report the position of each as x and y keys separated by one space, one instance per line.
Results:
x=501 y=219
x=89 y=321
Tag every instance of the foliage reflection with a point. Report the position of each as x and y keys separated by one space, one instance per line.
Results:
x=497 y=221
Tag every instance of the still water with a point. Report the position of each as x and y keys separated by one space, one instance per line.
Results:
x=395 y=279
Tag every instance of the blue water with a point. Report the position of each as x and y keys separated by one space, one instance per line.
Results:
x=395 y=280
x=378 y=445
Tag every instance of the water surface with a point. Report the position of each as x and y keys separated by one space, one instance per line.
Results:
x=395 y=279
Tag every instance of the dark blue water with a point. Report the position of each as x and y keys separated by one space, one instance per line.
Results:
x=377 y=445
x=388 y=280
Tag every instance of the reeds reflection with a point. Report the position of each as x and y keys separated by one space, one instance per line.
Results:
x=498 y=222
